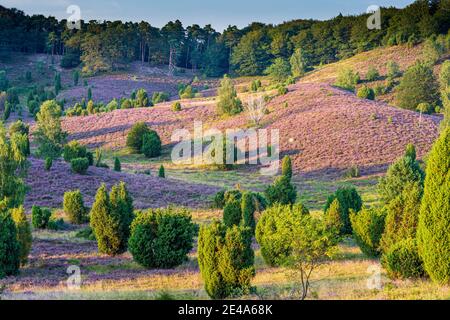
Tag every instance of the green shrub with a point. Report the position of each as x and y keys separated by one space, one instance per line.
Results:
x=232 y=195
x=404 y=170
x=19 y=127
x=368 y=228
x=226 y=260
x=162 y=172
x=282 y=192
x=286 y=167
x=282 y=91
x=74 y=208
x=349 y=199
x=366 y=93
x=48 y=164
x=79 y=165
x=56 y=224
x=151 y=144
x=24 y=236
x=372 y=74
x=136 y=135
x=161 y=238
x=111 y=217
x=273 y=229
x=248 y=210
x=159 y=97
x=187 y=93
x=10 y=252
x=86 y=234
x=418 y=85
x=402 y=260
x=232 y=214
x=74 y=150
x=176 y=107
x=433 y=234
x=228 y=103
x=393 y=70
x=347 y=79
x=279 y=71
x=402 y=216
x=126 y=104
x=219 y=200
x=142 y=100
x=117 y=165
x=40 y=217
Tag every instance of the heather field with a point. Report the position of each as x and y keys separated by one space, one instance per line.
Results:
x=95 y=204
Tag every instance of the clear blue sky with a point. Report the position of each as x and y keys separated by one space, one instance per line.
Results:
x=219 y=13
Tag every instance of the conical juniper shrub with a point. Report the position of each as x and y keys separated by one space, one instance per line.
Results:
x=9 y=245
x=226 y=260
x=24 y=236
x=232 y=214
x=433 y=231
x=349 y=199
x=368 y=228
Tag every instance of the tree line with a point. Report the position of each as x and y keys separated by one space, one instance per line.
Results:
x=110 y=45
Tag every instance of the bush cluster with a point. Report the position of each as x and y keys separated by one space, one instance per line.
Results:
x=40 y=217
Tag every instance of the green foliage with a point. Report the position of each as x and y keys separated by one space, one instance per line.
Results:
x=219 y=200
x=393 y=70
x=159 y=97
x=13 y=164
x=7 y=112
x=432 y=51
x=347 y=79
x=349 y=199
x=255 y=85
x=286 y=167
x=176 y=107
x=70 y=60
x=366 y=93
x=57 y=83
x=21 y=128
x=226 y=260
x=275 y=229
x=372 y=74
x=56 y=224
x=74 y=150
x=279 y=71
x=117 y=165
x=333 y=216
x=299 y=63
x=228 y=103
x=402 y=216
x=79 y=165
x=89 y=94
x=432 y=233
x=282 y=191
x=10 y=248
x=418 y=85
x=136 y=135
x=404 y=170
x=425 y=108
x=40 y=217
x=24 y=236
x=444 y=79
x=142 y=100
x=48 y=164
x=368 y=228
x=187 y=92
x=111 y=217
x=49 y=136
x=248 y=210
x=402 y=260
x=151 y=144
x=161 y=238
x=162 y=172
x=232 y=214
x=74 y=208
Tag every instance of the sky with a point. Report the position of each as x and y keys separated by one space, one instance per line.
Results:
x=219 y=13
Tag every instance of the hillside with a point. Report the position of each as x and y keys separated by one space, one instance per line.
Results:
x=47 y=187
x=322 y=128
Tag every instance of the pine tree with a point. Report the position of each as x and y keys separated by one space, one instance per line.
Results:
x=299 y=63
x=433 y=234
